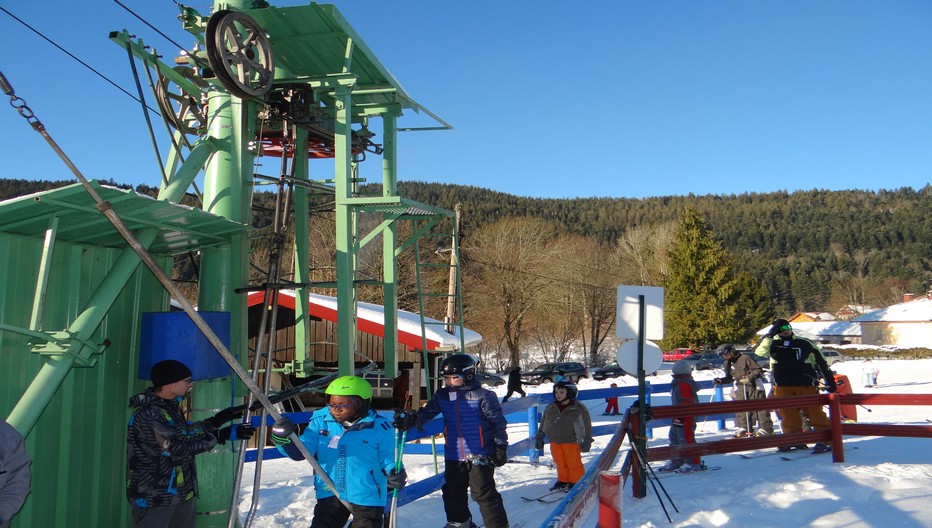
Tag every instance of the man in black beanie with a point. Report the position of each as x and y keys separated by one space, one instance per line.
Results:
x=796 y=364
x=161 y=476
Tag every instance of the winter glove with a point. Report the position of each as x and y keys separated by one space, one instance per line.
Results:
x=585 y=446
x=718 y=381
x=226 y=416
x=678 y=422
x=830 y=385
x=539 y=442
x=235 y=432
x=405 y=420
x=282 y=430
x=744 y=381
x=397 y=479
x=500 y=457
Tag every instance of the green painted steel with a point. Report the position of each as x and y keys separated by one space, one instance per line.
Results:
x=78 y=442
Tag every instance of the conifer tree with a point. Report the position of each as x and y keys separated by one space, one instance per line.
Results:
x=700 y=306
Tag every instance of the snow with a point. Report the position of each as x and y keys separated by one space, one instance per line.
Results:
x=884 y=482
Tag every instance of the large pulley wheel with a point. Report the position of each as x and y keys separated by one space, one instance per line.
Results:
x=240 y=54
x=182 y=109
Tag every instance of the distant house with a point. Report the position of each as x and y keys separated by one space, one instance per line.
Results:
x=825 y=332
x=810 y=317
x=850 y=311
x=908 y=324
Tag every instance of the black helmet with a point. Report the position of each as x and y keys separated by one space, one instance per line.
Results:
x=459 y=365
x=724 y=349
x=571 y=390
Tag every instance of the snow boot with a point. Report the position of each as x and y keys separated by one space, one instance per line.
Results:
x=741 y=433
x=465 y=524
x=692 y=468
x=671 y=465
x=821 y=447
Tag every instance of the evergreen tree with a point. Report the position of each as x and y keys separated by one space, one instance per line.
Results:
x=701 y=290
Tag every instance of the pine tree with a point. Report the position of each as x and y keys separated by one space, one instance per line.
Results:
x=700 y=308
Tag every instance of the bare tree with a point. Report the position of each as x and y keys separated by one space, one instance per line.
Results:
x=503 y=279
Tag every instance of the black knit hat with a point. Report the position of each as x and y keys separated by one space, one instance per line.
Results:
x=167 y=372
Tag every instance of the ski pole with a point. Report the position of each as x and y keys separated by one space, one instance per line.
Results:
x=399 y=451
x=865 y=408
x=654 y=482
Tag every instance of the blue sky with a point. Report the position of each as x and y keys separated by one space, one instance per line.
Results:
x=552 y=99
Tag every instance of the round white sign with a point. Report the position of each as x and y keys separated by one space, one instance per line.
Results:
x=627 y=357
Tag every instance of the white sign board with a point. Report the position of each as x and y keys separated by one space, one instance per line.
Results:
x=627 y=322
x=627 y=356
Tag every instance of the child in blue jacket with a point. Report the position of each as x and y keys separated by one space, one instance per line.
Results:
x=476 y=442
x=356 y=447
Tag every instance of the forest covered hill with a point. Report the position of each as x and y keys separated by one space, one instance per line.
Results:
x=814 y=250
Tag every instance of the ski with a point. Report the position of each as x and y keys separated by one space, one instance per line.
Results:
x=809 y=454
x=546 y=497
x=678 y=472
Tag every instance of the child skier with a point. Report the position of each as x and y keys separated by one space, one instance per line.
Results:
x=683 y=391
x=611 y=404
x=476 y=442
x=566 y=422
x=355 y=446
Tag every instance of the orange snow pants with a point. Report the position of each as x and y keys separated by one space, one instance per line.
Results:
x=568 y=459
x=790 y=420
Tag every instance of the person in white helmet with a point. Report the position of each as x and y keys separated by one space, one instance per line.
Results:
x=683 y=391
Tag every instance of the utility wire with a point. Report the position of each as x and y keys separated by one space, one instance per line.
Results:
x=86 y=65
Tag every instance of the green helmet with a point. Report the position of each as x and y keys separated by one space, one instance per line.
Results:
x=350 y=386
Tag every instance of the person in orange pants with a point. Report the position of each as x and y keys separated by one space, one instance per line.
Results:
x=567 y=424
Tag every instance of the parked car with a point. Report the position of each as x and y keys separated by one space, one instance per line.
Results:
x=489 y=378
x=832 y=356
x=611 y=370
x=677 y=354
x=705 y=361
x=545 y=373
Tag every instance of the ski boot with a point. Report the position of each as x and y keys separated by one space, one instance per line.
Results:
x=464 y=524
x=560 y=486
x=797 y=447
x=821 y=447
x=692 y=468
x=671 y=465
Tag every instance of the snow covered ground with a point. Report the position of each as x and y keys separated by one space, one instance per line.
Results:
x=884 y=482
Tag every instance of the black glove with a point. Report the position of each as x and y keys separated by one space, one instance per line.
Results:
x=718 y=381
x=830 y=385
x=225 y=416
x=539 y=443
x=500 y=458
x=585 y=446
x=235 y=432
x=405 y=420
x=397 y=479
x=282 y=430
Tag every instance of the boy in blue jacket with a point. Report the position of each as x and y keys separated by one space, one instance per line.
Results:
x=356 y=447
x=476 y=442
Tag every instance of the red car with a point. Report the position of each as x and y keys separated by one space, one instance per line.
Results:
x=677 y=354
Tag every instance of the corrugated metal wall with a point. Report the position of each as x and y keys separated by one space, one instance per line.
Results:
x=79 y=443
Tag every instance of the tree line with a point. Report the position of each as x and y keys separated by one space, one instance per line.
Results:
x=541 y=273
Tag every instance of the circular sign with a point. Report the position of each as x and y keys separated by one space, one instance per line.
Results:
x=627 y=357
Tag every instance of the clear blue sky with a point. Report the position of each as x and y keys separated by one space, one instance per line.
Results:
x=552 y=99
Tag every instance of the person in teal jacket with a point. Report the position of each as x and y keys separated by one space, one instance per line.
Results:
x=356 y=447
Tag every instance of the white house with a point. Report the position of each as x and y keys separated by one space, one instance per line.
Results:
x=907 y=324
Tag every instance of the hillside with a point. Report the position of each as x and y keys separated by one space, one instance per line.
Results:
x=815 y=250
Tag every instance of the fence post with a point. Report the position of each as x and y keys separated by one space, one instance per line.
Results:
x=609 y=499
x=717 y=396
x=834 y=415
x=533 y=453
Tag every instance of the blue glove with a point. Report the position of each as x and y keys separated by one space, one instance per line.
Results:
x=397 y=479
x=281 y=430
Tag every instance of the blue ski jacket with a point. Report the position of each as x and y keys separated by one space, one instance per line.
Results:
x=357 y=458
x=473 y=423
